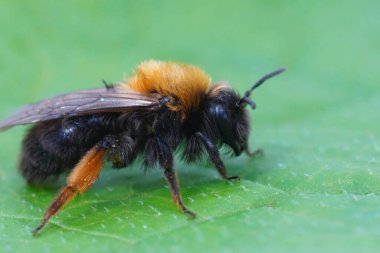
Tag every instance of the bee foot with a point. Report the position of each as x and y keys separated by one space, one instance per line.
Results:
x=191 y=214
x=232 y=178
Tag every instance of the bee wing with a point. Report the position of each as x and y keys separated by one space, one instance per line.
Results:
x=113 y=99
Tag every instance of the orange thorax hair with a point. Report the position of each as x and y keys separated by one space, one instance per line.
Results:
x=184 y=84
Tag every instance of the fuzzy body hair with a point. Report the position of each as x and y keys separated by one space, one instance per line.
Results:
x=195 y=108
x=185 y=84
x=162 y=105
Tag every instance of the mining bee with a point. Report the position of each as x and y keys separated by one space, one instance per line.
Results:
x=162 y=106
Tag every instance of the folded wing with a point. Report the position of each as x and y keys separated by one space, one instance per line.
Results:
x=114 y=99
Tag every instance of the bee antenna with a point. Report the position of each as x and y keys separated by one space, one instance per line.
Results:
x=245 y=99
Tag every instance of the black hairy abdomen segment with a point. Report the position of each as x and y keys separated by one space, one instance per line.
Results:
x=53 y=147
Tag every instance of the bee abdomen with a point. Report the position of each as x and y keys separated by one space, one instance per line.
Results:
x=53 y=147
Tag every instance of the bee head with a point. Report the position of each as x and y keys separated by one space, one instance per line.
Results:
x=227 y=114
x=229 y=124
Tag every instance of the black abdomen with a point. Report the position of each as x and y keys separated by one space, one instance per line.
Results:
x=53 y=147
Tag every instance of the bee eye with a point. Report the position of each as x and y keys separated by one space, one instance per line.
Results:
x=222 y=119
x=224 y=123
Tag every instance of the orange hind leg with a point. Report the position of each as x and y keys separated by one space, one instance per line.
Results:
x=80 y=180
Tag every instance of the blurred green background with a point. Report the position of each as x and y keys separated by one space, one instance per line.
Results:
x=316 y=189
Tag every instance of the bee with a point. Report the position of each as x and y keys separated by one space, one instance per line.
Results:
x=162 y=106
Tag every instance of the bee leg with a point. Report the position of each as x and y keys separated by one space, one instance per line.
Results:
x=166 y=162
x=213 y=153
x=80 y=180
x=252 y=154
x=255 y=153
x=172 y=179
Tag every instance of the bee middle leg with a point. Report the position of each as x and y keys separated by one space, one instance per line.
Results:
x=213 y=153
x=165 y=158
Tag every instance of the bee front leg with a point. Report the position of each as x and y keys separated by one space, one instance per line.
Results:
x=252 y=154
x=213 y=153
x=165 y=159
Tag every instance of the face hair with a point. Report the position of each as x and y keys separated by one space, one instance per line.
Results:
x=245 y=99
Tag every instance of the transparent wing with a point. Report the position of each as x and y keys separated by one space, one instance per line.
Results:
x=114 y=99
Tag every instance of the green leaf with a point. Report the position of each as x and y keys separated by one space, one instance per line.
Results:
x=315 y=189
